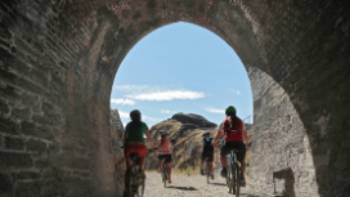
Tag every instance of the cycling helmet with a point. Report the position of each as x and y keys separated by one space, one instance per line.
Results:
x=230 y=111
x=135 y=115
x=206 y=134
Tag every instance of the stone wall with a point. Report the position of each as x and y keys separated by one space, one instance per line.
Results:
x=59 y=58
x=279 y=142
x=117 y=131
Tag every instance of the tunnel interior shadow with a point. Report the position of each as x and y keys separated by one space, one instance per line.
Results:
x=287 y=176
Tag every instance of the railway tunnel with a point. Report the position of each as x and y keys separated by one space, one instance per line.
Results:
x=59 y=59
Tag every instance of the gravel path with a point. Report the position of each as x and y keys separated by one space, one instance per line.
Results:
x=189 y=186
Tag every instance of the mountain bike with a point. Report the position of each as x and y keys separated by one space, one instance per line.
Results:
x=207 y=170
x=233 y=178
x=165 y=173
x=135 y=186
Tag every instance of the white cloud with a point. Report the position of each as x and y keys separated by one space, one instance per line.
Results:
x=168 y=95
x=123 y=114
x=166 y=111
x=214 y=110
x=150 y=119
x=122 y=101
x=135 y=89
x=238 y=92
x=156 y=93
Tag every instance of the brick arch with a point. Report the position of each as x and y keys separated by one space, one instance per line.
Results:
x=59 y=59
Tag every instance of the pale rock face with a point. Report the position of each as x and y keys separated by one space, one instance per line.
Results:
x=279 y=143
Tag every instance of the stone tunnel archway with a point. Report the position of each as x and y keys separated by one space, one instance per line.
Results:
x=59 y=58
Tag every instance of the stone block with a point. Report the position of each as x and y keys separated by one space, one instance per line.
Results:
x=26 y=175
x=4 y=108
x=7 y=125
x=5 y=184
x=31 y=129
x=15 y=160
x=14 y=143
x=35 y=146
x=27 y=189
x=21 y=114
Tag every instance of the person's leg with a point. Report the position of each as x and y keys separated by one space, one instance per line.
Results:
x=223 y=159
x=241 y=157
x=161 y=163
x=202 y=163
x=169 y=166
x=211 y=165
x=142 y=152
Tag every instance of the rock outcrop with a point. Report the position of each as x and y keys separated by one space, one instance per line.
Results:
x=117 y=130
x=280 y=148
x=186 y=130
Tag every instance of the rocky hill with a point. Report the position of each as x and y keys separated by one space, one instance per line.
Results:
x=186 y=130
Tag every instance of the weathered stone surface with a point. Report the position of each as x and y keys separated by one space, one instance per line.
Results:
x=280 y=147
x=66 y=53
x=117 y=130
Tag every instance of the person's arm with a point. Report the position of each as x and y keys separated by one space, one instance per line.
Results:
x=245 y=135
x=124 y=138
x=220 y=133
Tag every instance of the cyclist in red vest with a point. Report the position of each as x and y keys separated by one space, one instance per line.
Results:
x=234 y=133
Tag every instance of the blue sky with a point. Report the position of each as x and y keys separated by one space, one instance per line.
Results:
x=181 y=67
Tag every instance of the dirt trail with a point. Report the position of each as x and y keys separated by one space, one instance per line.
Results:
x=188 y=186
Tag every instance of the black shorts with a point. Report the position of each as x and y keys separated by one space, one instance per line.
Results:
x=208 y=156
x=239 y=146
x=167 y=158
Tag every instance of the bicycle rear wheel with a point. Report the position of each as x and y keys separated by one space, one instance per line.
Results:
x=164 y=176
x=207 y=171
x=141 y=189
x=229 y=178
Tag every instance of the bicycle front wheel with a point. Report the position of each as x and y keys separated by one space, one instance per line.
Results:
x=236 y=183
x=229 y=179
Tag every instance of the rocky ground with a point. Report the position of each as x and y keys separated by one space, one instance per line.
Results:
x=189 y=186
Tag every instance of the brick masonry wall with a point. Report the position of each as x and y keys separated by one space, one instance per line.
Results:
x=59 y=59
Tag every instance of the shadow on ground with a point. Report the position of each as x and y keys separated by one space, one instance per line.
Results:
x=184 y=188
x=217 y=184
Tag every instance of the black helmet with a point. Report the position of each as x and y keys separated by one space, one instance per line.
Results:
x=230 y=111
x=206 y=134
x=164 y=133
x=135 y=115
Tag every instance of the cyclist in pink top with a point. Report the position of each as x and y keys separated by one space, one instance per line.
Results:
x=164 y=153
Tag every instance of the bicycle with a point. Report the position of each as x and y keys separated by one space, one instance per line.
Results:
x=135 y=178
x=233 y=179
x=207 y=170
x=165 y=173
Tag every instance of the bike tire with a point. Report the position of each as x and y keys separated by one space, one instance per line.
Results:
x=229 y=179
x=236 y=179
x=164 y=177
x=207 y=171
x=141 y=189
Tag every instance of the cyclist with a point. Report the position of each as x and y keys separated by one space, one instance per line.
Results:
x=164 y=153
x=234 y=133
x=134 y=141
x=208 y=154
